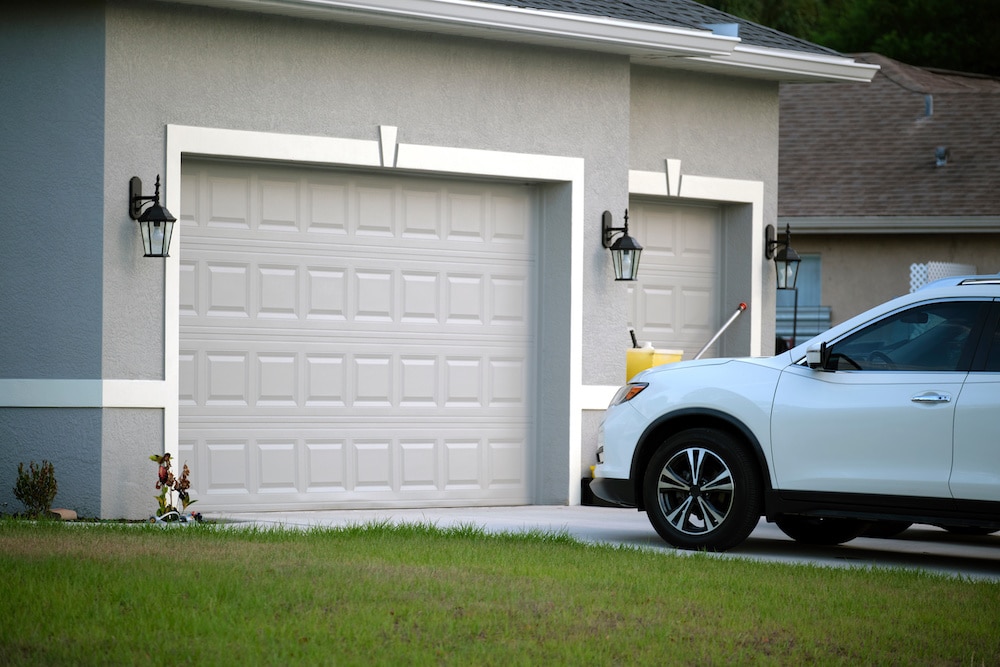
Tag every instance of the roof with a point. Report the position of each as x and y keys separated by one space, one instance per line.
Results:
x=858 y=152
x=673 y=34
x=678 y=13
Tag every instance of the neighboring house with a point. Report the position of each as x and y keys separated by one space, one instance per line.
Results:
x=875 y=178
x=387 y=285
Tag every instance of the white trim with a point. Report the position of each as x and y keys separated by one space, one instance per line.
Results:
x=722 y=190
x=597 y=396
x=886 y=224
x=210 y=142
x=787 y=65
x=651 y=44
x=62 y=393
x=54 y=393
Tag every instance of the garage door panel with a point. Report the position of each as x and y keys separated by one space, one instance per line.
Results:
x=326 y=209
x=368 y=342
x=229 y=203
x=675 y=303
x=368 y=468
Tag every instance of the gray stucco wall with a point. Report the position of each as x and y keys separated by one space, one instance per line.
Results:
x=264 y=73
x=52 y=142
x=69 y=438
x=51 y=237
x=154 y=64
x=243 y=71
x=128 y=477
x=719 y=127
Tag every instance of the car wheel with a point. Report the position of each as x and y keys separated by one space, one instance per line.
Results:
x=820 y=530
x=886 y=529
x=702 y=490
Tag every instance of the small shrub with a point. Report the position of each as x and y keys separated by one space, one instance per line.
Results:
x=36 y=487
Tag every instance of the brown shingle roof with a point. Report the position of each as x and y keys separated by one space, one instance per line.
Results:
x=850 y=150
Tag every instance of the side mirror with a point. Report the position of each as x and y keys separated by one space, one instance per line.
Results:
x=818 y=356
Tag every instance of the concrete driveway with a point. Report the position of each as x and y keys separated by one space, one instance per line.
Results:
x=919 y=548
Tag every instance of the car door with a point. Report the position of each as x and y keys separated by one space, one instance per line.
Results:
x=975 y=472
x=878 y=419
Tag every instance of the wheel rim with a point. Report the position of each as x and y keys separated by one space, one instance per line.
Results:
x=695 y=491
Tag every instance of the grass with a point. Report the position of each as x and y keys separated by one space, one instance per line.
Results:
x=381 y=594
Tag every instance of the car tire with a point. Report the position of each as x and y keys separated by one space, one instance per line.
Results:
x=702 y=490
x=820 y=530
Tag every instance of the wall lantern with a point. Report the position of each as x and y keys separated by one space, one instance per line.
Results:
x=786 y=260
x=625 y=251
x=155 y=223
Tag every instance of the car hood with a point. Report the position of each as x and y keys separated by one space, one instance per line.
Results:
x=777 y=362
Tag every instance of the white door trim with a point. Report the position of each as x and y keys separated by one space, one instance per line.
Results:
x=382 y=153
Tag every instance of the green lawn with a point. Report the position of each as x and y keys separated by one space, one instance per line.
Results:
x=415 y=595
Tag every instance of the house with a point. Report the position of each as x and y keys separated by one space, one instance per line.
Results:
x=881 y=181
x=387 y=284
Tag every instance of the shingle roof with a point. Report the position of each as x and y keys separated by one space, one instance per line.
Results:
x=856 y=150
x=676 y=13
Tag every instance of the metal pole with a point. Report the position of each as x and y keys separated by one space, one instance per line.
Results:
x=795 y=317
x=718 y=333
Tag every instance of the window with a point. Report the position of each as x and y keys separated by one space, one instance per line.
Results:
x=930 y=337
x=993 y=360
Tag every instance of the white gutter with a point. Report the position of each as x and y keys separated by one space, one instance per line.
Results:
x=645 y=43
x=789 y=66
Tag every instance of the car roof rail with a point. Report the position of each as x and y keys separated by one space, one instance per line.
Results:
x=984 y=280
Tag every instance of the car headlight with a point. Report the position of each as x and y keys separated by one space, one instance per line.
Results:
x=628 y=392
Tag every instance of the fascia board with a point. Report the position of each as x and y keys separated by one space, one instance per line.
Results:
x=942 y=224
x=789 y=66
x=493 y=21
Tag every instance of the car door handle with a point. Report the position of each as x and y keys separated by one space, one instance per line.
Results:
x=931 y=397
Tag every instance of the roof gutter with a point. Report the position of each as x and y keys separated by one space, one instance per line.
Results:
x=791 y=66
x=644 y=43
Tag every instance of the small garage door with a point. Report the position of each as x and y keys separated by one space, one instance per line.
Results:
x=354 y=340
x=675 y=302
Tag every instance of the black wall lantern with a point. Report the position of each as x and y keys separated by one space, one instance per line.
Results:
x=786 y=260
x=625 y=251
x=155 y=223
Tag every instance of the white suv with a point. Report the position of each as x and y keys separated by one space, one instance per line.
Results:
x=890 y=418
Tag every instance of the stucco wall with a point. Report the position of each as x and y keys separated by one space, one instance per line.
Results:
x=860 y=271
x=51 y=237
x=52 y=142
x=67 y=437
x=173 y=64
x=717 y=127
x=242 y=71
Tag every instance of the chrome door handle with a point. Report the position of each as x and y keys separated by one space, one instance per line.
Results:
x=931 y=397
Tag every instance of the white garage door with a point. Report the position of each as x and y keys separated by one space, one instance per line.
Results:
x=354 y=340
x=675 y=303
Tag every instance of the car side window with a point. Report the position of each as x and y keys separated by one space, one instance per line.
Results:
x=929 y=337
x=993 y=360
